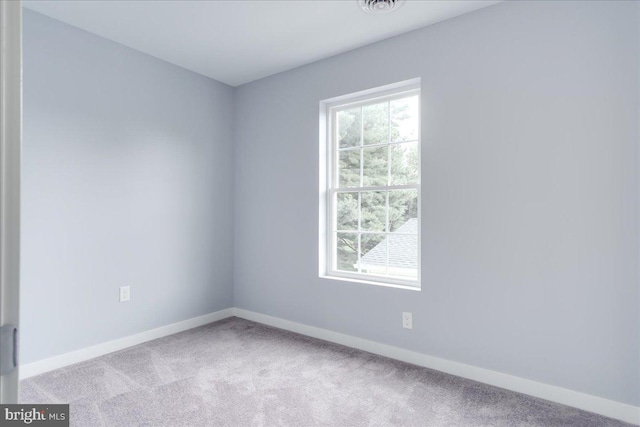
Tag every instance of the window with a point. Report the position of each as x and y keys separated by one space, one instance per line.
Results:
x=371 y=223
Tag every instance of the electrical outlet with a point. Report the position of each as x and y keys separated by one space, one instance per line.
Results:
x=125 y=293
x=407 y=320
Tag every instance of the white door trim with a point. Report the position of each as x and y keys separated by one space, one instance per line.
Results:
x=10 y=147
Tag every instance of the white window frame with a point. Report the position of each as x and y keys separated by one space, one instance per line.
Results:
x=329 y=186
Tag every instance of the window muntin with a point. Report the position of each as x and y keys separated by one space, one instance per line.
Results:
x=373 y=192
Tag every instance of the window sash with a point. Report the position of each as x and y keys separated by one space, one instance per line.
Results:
x=333 y=189
x=382 y=144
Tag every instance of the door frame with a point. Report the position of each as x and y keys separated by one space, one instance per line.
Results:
x=10 y=162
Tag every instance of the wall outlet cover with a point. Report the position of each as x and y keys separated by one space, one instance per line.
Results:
x=125 y=293
x=407 y=320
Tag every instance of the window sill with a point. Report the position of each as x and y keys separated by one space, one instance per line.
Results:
x=415 y=287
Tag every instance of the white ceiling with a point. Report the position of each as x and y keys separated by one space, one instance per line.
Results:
x=236 y=42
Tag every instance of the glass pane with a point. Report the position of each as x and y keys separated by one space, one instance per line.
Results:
x=347 y=212
x=375 y=169
x=404 y=119
x=376 y=123
x=349 y=168
x=347 y=251
x=404 y=163
x=374 y=254
x=349 y=127
x=403 y=255
x=374 y=211
x=403 y=211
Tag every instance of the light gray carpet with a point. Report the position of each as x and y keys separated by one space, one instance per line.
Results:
x=239 y=373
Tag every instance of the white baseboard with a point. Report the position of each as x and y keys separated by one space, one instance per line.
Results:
x=45 y=365
x=587 y=402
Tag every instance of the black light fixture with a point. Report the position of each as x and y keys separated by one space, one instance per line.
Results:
x=380 y=6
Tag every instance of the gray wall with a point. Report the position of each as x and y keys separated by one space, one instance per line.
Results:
x=530 y=194
x=127 y=180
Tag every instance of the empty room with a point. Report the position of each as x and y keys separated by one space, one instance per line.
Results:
x=319 y=213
